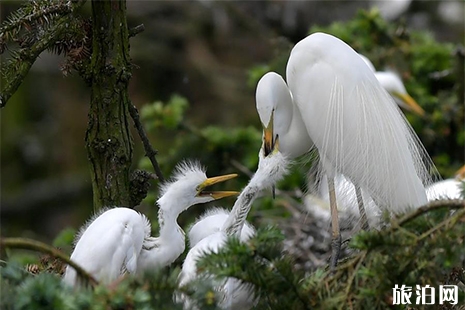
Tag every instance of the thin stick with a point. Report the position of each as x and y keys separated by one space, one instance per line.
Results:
x=28 y=244
x=149 y=151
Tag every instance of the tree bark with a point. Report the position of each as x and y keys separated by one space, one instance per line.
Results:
x=108 y=136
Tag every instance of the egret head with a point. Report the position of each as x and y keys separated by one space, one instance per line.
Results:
x=274 y=107
x=188 y=187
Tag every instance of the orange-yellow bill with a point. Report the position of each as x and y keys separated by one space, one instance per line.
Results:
x=216 y=194
x=411 y=103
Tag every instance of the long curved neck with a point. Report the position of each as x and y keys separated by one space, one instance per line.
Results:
x=162 y=251
x=296 y=140
x=237 y=216
x=169 y=228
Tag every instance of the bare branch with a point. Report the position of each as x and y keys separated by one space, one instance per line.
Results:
x=433 y=205
x=149 y=151
x=29 y=244
x=136 y=30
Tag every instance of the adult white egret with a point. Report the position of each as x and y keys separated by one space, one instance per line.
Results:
x=451 y=188
x=353 y=122
x=118 y=240
x=392 y=83
x=236 y=295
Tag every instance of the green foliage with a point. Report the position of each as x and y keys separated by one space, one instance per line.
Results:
x=155 y=290
x=214 y=146
x=65 y=238
x=259 y=262
x=256 y=73
x=169 y=116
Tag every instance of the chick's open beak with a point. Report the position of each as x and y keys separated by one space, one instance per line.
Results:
x=410 y=103
x=216 y=194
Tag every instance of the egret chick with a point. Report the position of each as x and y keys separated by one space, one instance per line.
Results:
x=236 y=295
x=118 y=241
x=211 y=222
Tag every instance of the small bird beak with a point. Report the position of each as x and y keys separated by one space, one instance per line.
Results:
x=410 y=103
x=216 y=194
x=268 y=136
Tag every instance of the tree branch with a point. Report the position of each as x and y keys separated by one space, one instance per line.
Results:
x=136 y=30
x=433 y=205
x=28 y=244
x=22 y=62
x=149 y=151
x=17 y=21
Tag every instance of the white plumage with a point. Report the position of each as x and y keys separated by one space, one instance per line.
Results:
x=445 y=189
x=110 y=245
x=448 y=189
x=211 y=222
x=118 y=241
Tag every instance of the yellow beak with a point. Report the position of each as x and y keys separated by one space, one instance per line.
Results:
x=216 y=194
x=268 y=136
x=411 y=103
x=460 y=174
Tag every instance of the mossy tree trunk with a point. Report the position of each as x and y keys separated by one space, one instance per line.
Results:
x=108 y=137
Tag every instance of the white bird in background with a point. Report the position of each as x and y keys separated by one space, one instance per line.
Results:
x=118 y=240
x=448 y=189
x=235 y=295
x=392 y=83
x=353 y=122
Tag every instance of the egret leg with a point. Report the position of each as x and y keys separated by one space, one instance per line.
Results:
x=361 y=208
x=336 y=233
